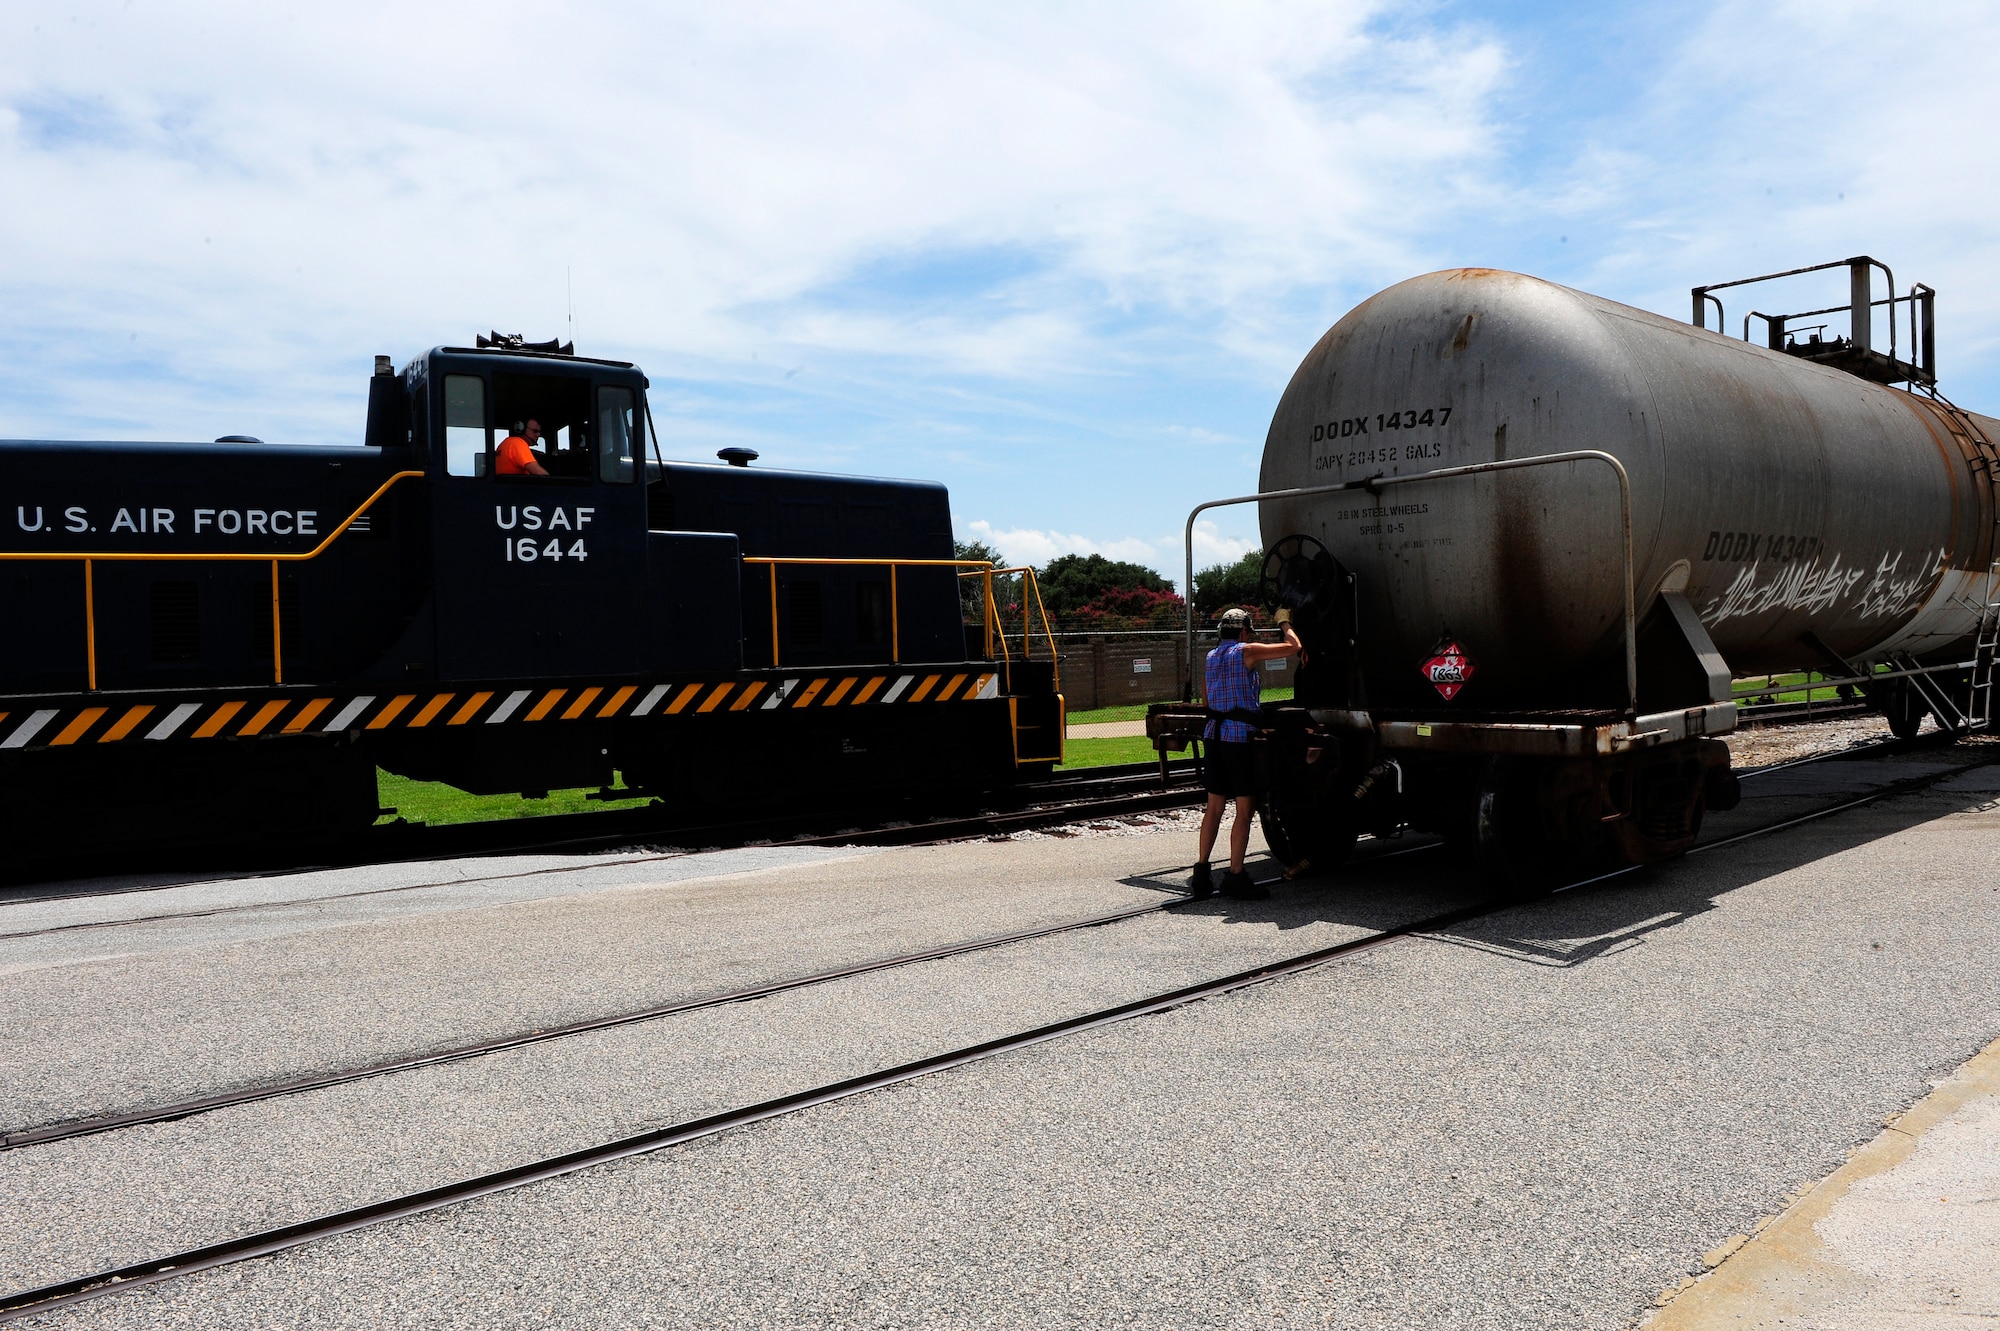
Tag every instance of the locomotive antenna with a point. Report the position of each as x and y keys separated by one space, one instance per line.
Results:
x=569 y=294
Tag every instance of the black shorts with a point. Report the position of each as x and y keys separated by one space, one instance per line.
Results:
x=1227 y=769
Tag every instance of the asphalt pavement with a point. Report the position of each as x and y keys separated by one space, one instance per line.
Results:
x=1541 y=1118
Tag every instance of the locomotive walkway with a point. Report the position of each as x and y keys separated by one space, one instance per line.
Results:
x=1541 y=1117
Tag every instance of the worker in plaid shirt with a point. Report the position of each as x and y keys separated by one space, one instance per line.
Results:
x=1233 y=687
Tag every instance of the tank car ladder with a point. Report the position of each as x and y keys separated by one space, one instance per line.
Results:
x=1977 y=713
x=1982 y=457
x=1986 y=645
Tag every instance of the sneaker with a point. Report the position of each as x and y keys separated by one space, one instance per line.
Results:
x=1242 y=888
x=1200 y=883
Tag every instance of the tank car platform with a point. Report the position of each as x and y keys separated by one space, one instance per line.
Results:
x=1553 y=1114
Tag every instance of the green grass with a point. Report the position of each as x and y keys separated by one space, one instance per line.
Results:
x=1789 y=687
x=1106 y=752
x=435 y=803
x=1136 y=711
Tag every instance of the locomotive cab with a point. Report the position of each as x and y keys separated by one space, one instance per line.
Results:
x=539 y=568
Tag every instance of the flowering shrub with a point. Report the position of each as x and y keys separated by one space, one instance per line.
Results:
x=1128 y=608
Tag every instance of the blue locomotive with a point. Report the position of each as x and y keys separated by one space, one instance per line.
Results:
x=506 y=588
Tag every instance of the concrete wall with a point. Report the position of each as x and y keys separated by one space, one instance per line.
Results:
x=1110 y=669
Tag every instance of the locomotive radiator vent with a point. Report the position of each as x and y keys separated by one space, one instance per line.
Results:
x=176 y=622
x=806 y=613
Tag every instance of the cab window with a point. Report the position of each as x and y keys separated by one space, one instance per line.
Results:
x=619 y=431
x=464 y=425
x=550 y=414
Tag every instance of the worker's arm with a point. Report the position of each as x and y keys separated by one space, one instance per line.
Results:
x=1256 y=653
x=534 y=468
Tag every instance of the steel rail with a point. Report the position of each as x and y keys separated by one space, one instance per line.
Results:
x=278 y=1239
x=939 y=830
x=47 y=1134
x=43 y=1134
x=1798 y=713
x=55 y=1132
x=613 y=829
x=1381 y=481
x=1109 y=776
x=168 y=1113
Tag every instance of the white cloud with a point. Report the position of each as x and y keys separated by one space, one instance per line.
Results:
x=254 y=190
x=1211 y=547
x=1773 y=135
x=1027 y=545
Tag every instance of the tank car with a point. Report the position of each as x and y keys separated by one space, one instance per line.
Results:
x=1529 y=535
x=226 y=640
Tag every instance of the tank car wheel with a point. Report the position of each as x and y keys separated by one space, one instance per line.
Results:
x=1306 y=840
x=1903 y=707
x=1310 y=827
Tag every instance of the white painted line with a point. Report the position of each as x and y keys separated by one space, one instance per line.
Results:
x=896 y=689
x=651 y=701
x=991 y=688
x=347 y=714
x=779 y=694
x=506 y=709
x=26 y=730
x=173 y=721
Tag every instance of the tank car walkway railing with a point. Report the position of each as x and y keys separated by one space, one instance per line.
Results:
x=90 y=558
x=1377 y=482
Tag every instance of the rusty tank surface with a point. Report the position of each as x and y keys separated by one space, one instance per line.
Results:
x=1800 y=509
x=1529 y=535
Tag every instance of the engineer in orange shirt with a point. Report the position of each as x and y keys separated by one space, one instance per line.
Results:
x=516 y=456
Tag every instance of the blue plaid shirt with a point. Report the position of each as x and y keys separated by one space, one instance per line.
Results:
x=1232 y=684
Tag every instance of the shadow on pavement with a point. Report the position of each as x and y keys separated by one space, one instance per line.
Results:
x=1393 y=884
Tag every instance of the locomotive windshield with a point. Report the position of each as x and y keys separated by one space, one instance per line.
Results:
x=551 y=415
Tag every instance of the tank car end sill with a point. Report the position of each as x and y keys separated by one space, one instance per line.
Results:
x=1547 y=740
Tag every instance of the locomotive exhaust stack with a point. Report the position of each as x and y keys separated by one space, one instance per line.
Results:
x=1528 y=536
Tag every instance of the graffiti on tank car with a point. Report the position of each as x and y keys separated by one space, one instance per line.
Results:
x=1809 y=586
x=1887 y=595
x=1817 y=588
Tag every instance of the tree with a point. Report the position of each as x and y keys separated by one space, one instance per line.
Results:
x=1225 y=585
x=1070 y=582
x=971 y=591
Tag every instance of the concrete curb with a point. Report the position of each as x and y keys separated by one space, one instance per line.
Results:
x=1782 y=1270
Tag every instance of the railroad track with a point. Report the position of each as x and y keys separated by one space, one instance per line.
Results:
x=1099 y=792
x=1795 y=713
x=278 y=1239
x=1093 y=793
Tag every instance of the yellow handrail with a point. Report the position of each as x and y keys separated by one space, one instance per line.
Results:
x=992 y=616
x=90 y=557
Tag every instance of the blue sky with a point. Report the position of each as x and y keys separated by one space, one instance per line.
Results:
x=1062 y=258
